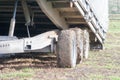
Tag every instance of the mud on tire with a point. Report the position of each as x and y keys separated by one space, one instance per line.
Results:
x=79 y=45
x=66 y=49
x=86 y=43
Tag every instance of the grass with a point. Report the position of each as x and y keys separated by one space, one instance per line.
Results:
x=13 y=75
x=113 y=39
x=27 y=70
x=96 y=59
x=102 y=77
x=114 y=78
x=105 y=64
x=23 y=73
x=114 y=26
x=96 y=77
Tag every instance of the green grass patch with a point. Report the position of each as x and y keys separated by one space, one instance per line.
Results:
x=114 y=26
x=13 y=75
x=27 y=70
x=111 y=46
x=96 y=77
x=110 y=66
x=114 y=78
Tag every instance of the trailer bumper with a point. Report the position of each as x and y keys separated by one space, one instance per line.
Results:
x=33 y=44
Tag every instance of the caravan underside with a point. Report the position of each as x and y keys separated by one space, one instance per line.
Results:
x=75 y=20
x=51 y=14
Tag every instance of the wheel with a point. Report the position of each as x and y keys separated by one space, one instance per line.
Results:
x=86 y=43
x=79 y=45
x=66 y=49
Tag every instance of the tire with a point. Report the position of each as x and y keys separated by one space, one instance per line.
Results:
x=79 y=45
x=85 y=43
x=66 y=49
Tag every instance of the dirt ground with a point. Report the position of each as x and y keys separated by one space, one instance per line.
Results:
x=101 y=65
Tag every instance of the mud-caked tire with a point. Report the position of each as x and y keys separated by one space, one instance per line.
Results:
x=66 y=49
x=79 y=45
x=86 y=44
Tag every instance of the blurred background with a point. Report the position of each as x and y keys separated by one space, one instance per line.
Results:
x=114 y=9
